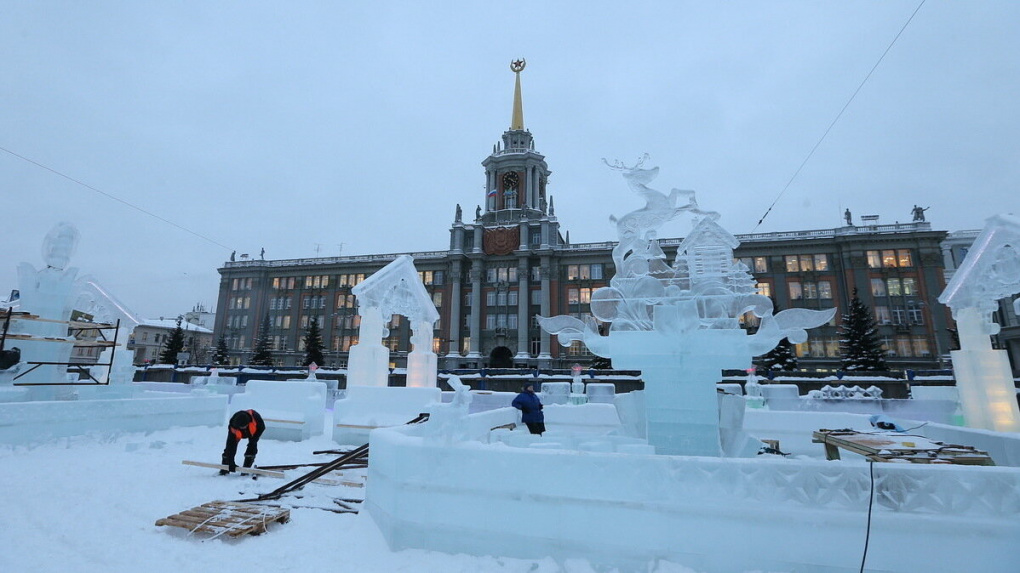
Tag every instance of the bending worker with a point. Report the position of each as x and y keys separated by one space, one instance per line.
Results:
x=244 y=424
x=531 y=409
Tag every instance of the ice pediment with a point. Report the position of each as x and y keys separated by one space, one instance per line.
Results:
x=991 y=270
x=397 y=289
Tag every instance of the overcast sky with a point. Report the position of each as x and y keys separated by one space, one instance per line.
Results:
x=300 y=126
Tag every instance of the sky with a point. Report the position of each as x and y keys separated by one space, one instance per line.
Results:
x=323 y=128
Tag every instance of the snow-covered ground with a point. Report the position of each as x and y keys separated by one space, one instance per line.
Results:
x=90 y=503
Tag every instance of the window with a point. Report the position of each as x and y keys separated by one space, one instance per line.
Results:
x=821 y=262
x=824 y=290
x=761 y=265
x=585 y=295
x=831 y=346
x=915 y=315
x=909 y=286
x=490 y=321
x=792 y=263
x=572 y=296
x=796 y=293
x=501 y=320
x=816 y=348
x=899 y=315
x=921 y=347
x=576 y=348
x=878 y=287
x=596 y=271
x=437 y=299
x=511 y=321
x=807 y=263
x=874 y=260
x=903 y=346
x=810 y=290
x=490 y=275
x=889 y=258
x=490 y=298
x=764 y=289
x=512 y=298
x=882 y=315
x=904 y=258
x=536 y=236
x=894 y=287
x=536 y=274
x=437 y=277
x=501 y=298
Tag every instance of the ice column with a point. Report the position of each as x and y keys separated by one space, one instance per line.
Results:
x=984 y=379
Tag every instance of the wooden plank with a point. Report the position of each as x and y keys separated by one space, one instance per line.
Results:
x=255 y=471
x=282 y=421
x=359 y=426
x=242 y=470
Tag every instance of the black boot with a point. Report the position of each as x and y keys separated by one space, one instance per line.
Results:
x=249 y=461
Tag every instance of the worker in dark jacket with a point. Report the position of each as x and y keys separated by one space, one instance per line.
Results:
x=244 y=424
x=531 y=409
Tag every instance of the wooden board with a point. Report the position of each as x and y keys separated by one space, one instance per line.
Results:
x=883 y=446
x=227 y=517
x=254 y=471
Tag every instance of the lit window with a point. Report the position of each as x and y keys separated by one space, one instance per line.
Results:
x=824 y=290
x=764 y=289
x=807 y=263
x=796 y=292
x=821 y=262
x=874 y=260
x=761 y=265
x=792 y=264
x=904 y=259
x=882 y=315
x=878 y=287
x=888 y=258
x=894 y=287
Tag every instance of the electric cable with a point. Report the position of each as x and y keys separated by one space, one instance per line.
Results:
x=871 y=502
x=113 y=197
x=838 y=116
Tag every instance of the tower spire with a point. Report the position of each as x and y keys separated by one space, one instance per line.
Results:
x=517 y=120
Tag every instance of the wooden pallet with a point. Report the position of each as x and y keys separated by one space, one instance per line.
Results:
x=228 y=517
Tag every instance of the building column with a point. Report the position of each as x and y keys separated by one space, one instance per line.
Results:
x=545 y=356
x=523 y=320
x=477 y=270
x=453 y=352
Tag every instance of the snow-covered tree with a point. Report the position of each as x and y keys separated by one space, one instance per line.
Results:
x=781 y=357
x=222 y=355
x=859 y=346
x=261 y=355
x=313 y=343
x=174 y=345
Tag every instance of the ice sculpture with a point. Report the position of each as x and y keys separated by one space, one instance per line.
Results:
x=990 y=272
x=394 y=289
x=679 y=324
x=46 y=293
x=52 y=293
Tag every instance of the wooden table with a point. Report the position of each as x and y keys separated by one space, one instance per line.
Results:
x=888 y=446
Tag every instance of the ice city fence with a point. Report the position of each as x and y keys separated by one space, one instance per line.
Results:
x=717 y=514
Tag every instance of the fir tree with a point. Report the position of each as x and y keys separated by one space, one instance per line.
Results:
x=858 y=343
x=600 y=363
x=261 y=354
x=222 y=355
x=313 y=343
x=174 y=345
x=781 y=357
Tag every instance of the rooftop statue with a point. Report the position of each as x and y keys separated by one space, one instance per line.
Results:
x=679 y=323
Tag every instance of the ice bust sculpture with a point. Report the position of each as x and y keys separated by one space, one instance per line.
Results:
x=984 y=379
x=679 y=323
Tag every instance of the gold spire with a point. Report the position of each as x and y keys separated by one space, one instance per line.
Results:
x=517 y=121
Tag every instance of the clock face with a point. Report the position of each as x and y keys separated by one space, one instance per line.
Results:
x=510 y=180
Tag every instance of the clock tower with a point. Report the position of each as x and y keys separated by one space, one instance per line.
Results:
x=515 y=174
x=503 y=262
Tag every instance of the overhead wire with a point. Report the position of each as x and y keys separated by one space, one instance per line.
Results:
x=838 y=116
x=114 y=197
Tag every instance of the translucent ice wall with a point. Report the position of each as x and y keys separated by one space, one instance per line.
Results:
x=678 y=323
x=984 y=379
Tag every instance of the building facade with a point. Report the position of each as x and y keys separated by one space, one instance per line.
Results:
x=510 y=262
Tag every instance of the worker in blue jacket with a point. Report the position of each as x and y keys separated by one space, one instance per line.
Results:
x=531 y=409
